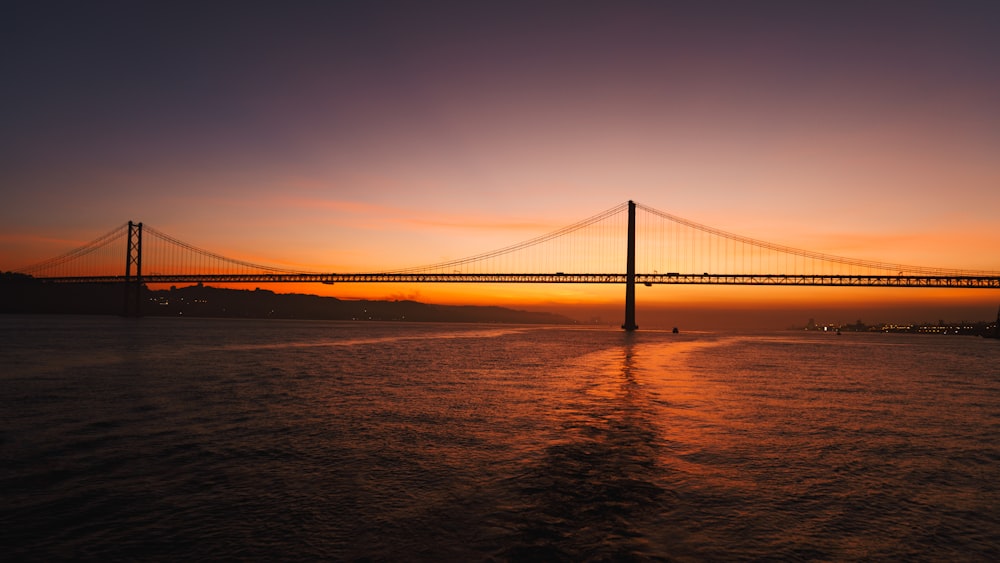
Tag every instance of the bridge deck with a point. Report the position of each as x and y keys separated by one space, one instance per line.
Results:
x=646 y=279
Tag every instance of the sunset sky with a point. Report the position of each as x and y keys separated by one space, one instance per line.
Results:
x=371 y=135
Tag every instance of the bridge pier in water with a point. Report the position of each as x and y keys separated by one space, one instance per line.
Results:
x=629 y=324
x=133 y=255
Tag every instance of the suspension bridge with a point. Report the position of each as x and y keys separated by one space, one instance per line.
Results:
x=628 y=244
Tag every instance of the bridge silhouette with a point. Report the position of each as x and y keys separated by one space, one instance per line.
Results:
x=628 y=244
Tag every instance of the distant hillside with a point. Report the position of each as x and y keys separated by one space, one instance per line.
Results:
x=22 y=294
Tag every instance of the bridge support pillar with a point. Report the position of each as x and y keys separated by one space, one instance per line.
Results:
x=133 y=286
x=629 y=324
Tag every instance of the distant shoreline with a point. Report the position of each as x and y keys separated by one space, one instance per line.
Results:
x=26 y=295
x=986 y=329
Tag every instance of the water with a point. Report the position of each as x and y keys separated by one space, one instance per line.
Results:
x=170 y=439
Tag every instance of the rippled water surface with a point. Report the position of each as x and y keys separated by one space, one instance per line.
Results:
x=170 y=439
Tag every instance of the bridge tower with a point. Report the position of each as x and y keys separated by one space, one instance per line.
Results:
x=629 y=324
x=133 y=286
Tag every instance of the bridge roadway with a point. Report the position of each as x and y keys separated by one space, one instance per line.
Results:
x=957 y=281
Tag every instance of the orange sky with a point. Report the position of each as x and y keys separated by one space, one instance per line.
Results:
x=375 y=136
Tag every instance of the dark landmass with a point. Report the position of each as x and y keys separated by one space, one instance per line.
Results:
x=23 y=294
x=985 y=329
